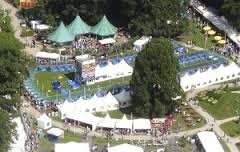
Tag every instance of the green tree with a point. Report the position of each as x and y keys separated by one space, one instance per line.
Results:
x=158 y=18
x=230 y=9
x=155 y=80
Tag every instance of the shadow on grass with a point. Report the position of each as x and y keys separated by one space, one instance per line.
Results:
x=70 y=75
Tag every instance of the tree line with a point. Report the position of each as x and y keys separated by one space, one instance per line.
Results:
x=228 y=8
x=150 y=17
x=12 y=72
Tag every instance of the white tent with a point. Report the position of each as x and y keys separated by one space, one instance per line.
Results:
x=107 y=122
x=124 y=123
x=209 y=141
x=65 y=108
x=44 y=122
x=125 y=148
x=209 y=77
x=42 y=27
x=138 y=44
x=56 y=132
x=46 y=55
x=107 y=41
x=141 y=124
x=72 y=147
x=124 y=99
x=111 y=71
x=85 y=117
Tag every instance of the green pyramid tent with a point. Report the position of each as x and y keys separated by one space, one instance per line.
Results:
x=104 y=28
x=78 y=27
x=61 y=35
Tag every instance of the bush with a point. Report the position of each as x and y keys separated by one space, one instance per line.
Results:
x=27 y=32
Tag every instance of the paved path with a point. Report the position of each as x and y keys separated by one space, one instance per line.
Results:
x=16 y=26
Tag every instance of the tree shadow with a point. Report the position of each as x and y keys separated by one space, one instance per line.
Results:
x=70 y=75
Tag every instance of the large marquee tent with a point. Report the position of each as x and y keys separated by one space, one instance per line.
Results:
x=72 y=147
x=61 y=35
x=78 y=27
x=125 y=148
x=104 y=28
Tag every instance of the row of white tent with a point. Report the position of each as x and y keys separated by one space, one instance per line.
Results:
x=46 y=55
x=94 y=104
x=112 y=71
x=210 y=77
x=85 y=147
x=110 y=123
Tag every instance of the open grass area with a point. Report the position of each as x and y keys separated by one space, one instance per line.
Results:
x=219 y=103
x=43 y=81
x=197 y=35
x=231 y=128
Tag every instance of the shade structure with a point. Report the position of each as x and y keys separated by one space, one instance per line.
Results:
x=78 y=27
x=61 y=35
x=207 y=28
x=217 y=38
x=211 y=32
x=221 y=42
x=125 y=148
x=104 y=28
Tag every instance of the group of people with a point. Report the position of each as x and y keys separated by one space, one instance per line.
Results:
x=31 y=144
x=87 y=43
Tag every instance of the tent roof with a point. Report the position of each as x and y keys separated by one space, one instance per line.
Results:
x=61 y=35
x=55 y=131
x=47 y=55
x=107 y=41
x=72 y=146
x=78 y=27
x=104 y=28
x=141 y=124
x=124 y=123
x=209 y=141
x=125 y=147
x=44 y=118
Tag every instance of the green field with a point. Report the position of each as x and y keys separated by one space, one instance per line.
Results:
x=220 y=104
x=231 y=128
x=117 y=114
x=197 y=35
x=43 y=81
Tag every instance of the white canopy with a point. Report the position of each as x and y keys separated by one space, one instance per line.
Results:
x=72 y=147
x=125 y=148
x=65 y=108
x=124 y=98
x=124 y=123
x=142 y=41
x=209 y=141
x=85 y=117
x=141 y=124
x=107 y=41
x=44 y=122
x=107 y=122
x=209 y=77
x=56 y=132
x=42 y=27
x=46 y=55
x=113 y=71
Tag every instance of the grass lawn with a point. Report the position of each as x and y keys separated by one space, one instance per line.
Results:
x=117 y=114
x=231 y=128
x=197 y=35
x=43 y=80
x=225 y=106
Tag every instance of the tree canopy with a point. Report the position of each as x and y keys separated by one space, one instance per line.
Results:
x=230 y=9
x=155 y=17
x=155 y=80
x=13 y=69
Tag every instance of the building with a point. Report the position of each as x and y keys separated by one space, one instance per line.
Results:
x=85 y=68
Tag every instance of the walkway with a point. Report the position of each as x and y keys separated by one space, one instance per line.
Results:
x=15 y=21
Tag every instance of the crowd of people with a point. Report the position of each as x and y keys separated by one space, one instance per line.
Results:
x=31 y=144
x=88 y=43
